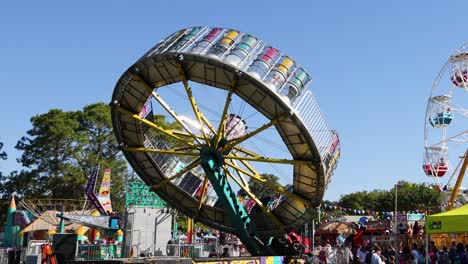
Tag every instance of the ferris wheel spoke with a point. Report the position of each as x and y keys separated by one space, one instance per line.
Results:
x=167 y=132
x=174 y=115
x=243 y=138
x=222 y=123
x=256 y=200
x=192 y=165
x=453 y=138
x=173 y=151
x=191 y=98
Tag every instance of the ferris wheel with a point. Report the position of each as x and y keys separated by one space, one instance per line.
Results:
x=446 y=122
x=208 y=110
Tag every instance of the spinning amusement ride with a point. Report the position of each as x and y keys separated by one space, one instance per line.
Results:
x=446 y=122
x=208 y=110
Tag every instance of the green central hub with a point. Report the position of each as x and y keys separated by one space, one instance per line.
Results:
x=221 y=144
x=212 y=161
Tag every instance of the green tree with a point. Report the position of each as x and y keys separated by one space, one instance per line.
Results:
x=413 y=196
x=60 y=151
x=3 y=155
x=410 y=197
x=50 y=154
x=101 y=148
x=3 y=197
x=260 y=189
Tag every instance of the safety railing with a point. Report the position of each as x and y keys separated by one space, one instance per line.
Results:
x=191 y=250
x=4 y=255
x=98 y=252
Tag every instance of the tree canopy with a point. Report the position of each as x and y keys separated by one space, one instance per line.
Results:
x=410 y=197
x=60 y=151
x=260 y=189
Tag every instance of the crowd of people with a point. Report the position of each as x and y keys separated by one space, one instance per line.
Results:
x=378 y=254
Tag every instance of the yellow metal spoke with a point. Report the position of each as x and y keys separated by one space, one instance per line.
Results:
x=222 y=123
x=246 y=151
x=192 y=101
x=208 y=124
x=174 y=115
x=162 y=151
x=243 y=138
x=256 y=176
x=256 y=200
x=167 y=132
x=180 y=173
x=202 y=196
x=270 y=160
x=241 y=176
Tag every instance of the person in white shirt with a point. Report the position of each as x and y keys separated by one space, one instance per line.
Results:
x=376 y=259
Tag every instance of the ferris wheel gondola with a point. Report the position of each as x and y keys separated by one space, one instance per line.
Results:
x=446 y=121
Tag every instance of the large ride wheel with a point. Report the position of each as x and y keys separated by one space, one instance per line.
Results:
x=209 y=109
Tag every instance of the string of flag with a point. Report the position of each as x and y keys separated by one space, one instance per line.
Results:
x=378 y=214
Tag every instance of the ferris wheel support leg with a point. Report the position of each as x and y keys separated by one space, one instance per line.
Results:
x=459 y=181
x=212 y=162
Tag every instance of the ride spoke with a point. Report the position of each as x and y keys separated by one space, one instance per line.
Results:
x=243 y=138
x=222 y=123
x=270 y=160
x=202 y=196
x=174 y=151
x=180 y=173
x=208 y=123
x=174 y=115
x=192 y=101
x=256 y=200
x=167 y=132
x=257 y=177
x=241 y=176
x=246 y=151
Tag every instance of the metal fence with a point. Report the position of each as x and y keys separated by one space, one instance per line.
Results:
x=4 y=255
x=98 y=252
x=11 y=254
x=191 y=250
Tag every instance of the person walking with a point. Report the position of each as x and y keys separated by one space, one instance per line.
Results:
x=460 y=255
x=376 y=259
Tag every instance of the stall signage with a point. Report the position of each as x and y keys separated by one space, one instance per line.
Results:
x=416 y=217
x=435 y=225
x=382 y=239
x=402 y=218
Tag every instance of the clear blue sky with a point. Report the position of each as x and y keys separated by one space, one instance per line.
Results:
x=373 y=63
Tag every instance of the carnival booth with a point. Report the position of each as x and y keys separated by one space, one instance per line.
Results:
x=449 y=226
x=375 y=231
x=332 y=230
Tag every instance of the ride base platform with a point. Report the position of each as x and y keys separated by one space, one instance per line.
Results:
x=178 y=260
